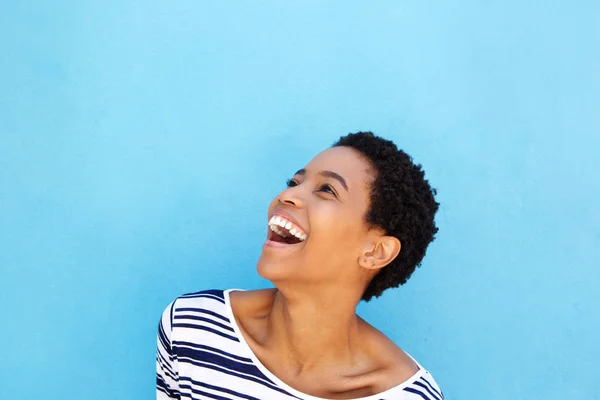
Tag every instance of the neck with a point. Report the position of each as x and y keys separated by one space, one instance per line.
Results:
x=308 y=331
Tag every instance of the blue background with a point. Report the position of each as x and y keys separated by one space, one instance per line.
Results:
x=141 y=142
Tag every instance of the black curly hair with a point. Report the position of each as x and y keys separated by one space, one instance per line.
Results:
x=402 y=204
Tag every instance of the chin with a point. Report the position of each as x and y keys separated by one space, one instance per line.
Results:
x=269 y=270
x=274 y=270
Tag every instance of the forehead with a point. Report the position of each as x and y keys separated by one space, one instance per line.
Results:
x=345 y=161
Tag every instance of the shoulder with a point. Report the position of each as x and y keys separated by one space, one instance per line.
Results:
x=423 y=387
x=244 y=301
x=388 y=355
x=211 y=299
x=392 y=368
x=200 y=317
x=207 y=296
x=402 y=373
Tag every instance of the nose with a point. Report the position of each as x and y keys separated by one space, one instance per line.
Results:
x=291 y=197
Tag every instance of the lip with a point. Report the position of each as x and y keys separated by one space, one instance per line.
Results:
x=279 y=245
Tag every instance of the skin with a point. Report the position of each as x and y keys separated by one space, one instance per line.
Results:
x=306 y=330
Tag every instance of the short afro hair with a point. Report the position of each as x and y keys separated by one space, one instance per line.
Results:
x=402 y=203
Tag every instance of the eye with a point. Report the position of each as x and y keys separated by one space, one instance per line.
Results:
x=291 y=183
x=327 y=189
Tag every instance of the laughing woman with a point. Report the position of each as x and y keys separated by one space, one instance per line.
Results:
x=352 y=223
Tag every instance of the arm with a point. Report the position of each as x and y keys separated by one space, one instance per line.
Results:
x=167 y=376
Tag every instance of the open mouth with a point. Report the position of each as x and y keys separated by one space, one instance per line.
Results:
x=284 y=231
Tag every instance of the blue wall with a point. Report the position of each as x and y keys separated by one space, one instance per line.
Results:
x=140 y=144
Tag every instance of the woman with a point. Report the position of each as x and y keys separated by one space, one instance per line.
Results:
x=354 y=222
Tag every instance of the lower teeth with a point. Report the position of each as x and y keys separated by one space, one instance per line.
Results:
x=289 y=239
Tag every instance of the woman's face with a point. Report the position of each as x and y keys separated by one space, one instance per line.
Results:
x=317 y=230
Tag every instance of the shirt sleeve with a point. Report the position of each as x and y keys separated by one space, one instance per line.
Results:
x=167 y=375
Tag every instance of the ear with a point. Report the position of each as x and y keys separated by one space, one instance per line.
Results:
x=380 y=253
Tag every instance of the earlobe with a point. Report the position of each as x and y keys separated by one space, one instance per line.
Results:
x=366 y=261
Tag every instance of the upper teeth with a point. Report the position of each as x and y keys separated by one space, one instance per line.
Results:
x=276 y=221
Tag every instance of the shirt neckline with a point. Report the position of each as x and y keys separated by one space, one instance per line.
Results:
x=290 y=389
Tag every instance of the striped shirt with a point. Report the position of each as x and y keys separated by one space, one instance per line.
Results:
x=203 y=355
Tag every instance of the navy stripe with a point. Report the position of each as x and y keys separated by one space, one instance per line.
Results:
x=202 y=310
x=206 y=296
x=164 y=391
x=212 y=396
x=246 y=377
x=426 y=388
x=432 y=388
x=163 y=339
x=161 y=384
x=415 y=391
x=177 y=343
x=167 y=364
x=263 y=380
x=206 y=328
x=192 y=397
x=220 y=389
x=210 y=321
x=216 y=292
x=211 y=358
x=165 y=369
x=171 y=313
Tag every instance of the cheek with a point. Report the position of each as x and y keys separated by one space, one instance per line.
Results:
x=337 y=228
x=335 y=245
x=272 y=205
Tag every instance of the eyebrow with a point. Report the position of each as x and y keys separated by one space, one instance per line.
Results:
x=328 y=174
